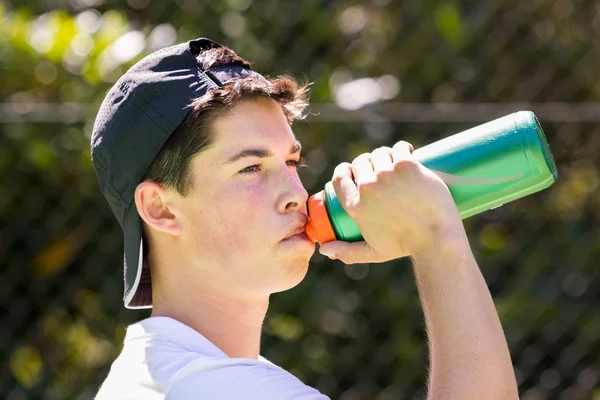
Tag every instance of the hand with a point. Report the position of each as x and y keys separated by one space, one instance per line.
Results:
x=401 y=207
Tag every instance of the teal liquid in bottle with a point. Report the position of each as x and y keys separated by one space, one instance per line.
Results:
x=483 y=167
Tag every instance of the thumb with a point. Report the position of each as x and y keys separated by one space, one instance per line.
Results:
x=349 y=252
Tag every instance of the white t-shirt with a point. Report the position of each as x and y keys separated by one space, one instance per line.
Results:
x=165 y=359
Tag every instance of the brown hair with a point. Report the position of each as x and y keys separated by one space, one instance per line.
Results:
x=170 y=168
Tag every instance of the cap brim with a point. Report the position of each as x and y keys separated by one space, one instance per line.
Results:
x=138 y=287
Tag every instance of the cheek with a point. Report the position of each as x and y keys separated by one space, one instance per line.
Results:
x=248 y=215
x=231 y=223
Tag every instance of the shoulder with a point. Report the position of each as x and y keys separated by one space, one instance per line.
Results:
x=239 y=379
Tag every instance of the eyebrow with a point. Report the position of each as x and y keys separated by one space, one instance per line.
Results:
x=261 y=153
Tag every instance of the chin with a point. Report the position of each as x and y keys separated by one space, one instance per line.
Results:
x=295 y=271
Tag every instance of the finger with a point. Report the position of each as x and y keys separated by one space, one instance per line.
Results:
x=344 y=185
x=402 y=151
x=349 y=253
x=381 y=159
x=362 y=169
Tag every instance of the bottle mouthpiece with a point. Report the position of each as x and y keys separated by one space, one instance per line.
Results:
x=318 y=228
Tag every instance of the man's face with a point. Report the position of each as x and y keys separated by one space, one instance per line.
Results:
x=246 y=199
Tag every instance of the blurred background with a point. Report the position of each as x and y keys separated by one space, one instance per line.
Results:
x=382 y=71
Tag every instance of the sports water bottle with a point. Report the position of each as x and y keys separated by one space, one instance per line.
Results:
x=484 y=167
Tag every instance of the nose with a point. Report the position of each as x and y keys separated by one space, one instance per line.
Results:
x=293 y=196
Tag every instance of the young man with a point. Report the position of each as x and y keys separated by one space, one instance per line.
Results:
x=195 y=155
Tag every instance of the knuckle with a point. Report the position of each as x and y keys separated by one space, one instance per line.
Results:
x=337 y=179
x=341 y=167
x=362 y=157
x=340 y=171
x=384 y=174
x=403 y=147
x=403 y=143
x=382 y=149
x=404 y=164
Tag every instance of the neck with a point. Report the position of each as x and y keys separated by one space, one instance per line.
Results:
x=231 y=322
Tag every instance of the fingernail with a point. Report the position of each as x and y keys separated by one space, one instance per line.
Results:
x=327 y=253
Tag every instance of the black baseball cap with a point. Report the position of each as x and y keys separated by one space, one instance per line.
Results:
x=136 y=118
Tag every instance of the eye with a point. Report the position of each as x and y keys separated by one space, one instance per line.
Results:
x=250 y=169
x=301 y=162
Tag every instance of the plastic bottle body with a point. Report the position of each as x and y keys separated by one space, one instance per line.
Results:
x=483 y=167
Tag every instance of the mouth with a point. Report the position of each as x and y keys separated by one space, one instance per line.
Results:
x=298 y=231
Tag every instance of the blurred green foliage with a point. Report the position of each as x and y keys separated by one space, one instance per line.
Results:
x=353 y=332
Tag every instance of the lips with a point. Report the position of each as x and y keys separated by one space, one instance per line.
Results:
x=296 y=231
x=297 y=225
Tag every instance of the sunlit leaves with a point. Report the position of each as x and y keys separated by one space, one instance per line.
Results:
x=26 y=365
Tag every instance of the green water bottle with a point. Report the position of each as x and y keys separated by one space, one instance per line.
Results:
x=484 y=167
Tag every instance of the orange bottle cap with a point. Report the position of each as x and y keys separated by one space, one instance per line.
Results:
x=318 y=228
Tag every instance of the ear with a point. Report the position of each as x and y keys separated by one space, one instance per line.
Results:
x=152 y=202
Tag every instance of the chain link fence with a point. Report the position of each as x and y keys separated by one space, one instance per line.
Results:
x=382 y=71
